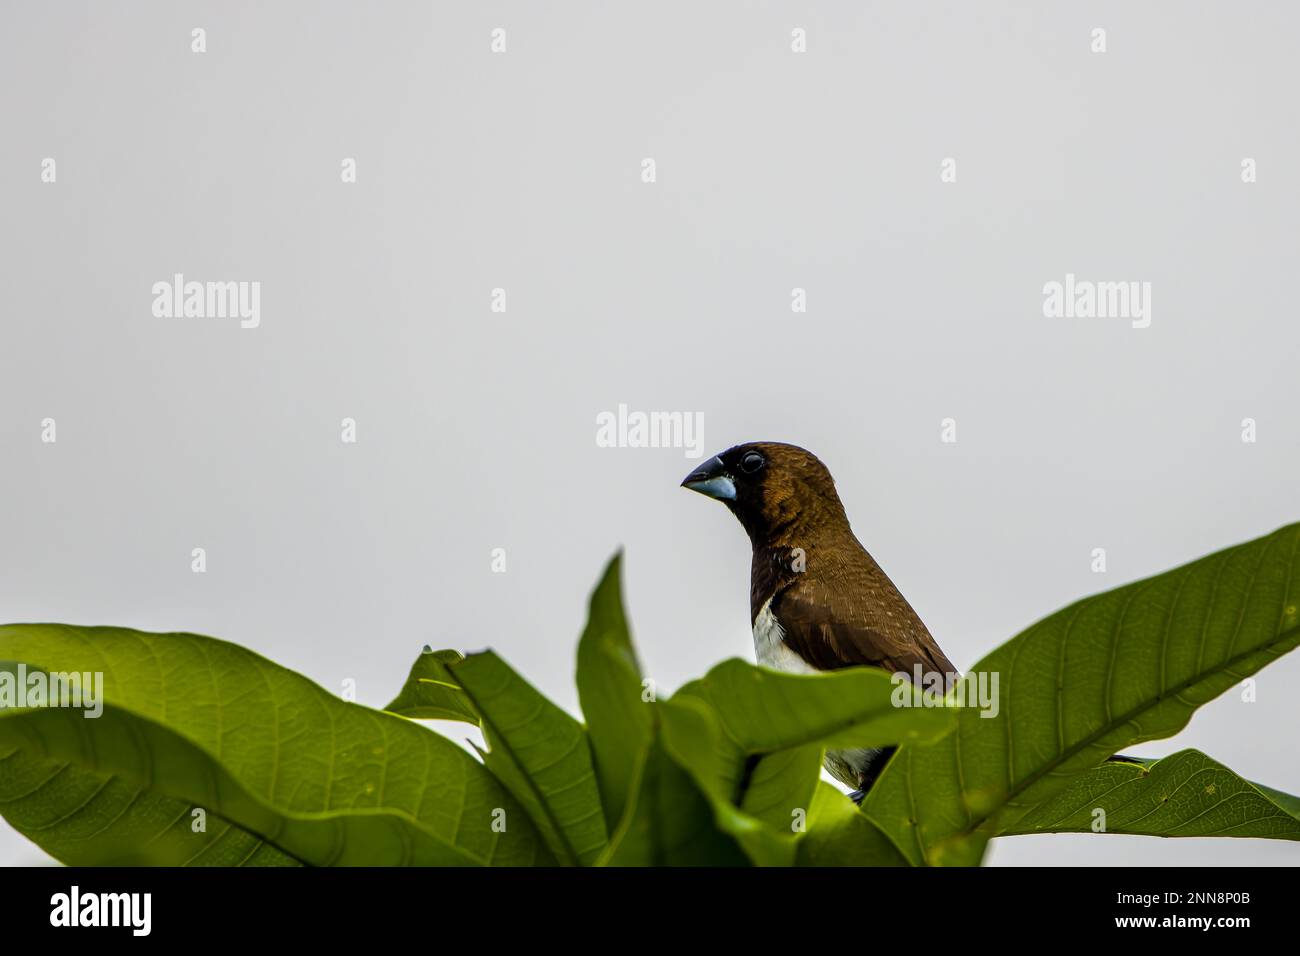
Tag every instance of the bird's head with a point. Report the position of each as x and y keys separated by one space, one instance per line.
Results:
x=777 y=491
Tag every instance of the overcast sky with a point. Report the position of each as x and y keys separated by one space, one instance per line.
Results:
x=525 y=171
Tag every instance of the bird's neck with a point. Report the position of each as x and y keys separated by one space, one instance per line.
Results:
x=790 y=521
x=780 y=559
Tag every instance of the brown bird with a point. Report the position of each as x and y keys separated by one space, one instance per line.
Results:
x=817 y=600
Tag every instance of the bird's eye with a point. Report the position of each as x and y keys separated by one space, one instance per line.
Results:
x=751 y=462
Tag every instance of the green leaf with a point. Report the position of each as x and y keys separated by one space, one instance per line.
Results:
x=761 y=770
x=431 y=692
x=780 y=786
x=610 y=692
x=668 y=819
x=540 y=753
x=764 y=712
x=211 y=725
x=91 y=819
x=1186 y=794
x=838 y=835
x=762 y=825
x=1110 y=671
x=774 y=794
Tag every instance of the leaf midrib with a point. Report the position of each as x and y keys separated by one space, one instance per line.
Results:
x=499 y=738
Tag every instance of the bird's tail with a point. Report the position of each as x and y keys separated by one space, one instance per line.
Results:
x=870 y=772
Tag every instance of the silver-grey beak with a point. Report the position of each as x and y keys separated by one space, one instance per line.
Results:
x=711 y=479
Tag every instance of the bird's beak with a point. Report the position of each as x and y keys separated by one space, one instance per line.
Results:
x=711 y=479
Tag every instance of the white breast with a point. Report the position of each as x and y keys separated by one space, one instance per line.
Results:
x=771 y=651
x=769 y=648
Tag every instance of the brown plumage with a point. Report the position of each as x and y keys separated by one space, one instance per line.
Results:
x=833 y=605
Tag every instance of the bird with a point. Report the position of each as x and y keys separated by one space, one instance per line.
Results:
x=818 y=601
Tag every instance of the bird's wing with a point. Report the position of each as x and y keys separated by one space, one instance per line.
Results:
x=864 y=620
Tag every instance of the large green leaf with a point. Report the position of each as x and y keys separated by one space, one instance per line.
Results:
x=1110 y=671
x=610 y=692
x=90 y=819
x=212 y=725
x=1186 y=794
x=540 y=753
x=765 y=712
x=431 y=692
